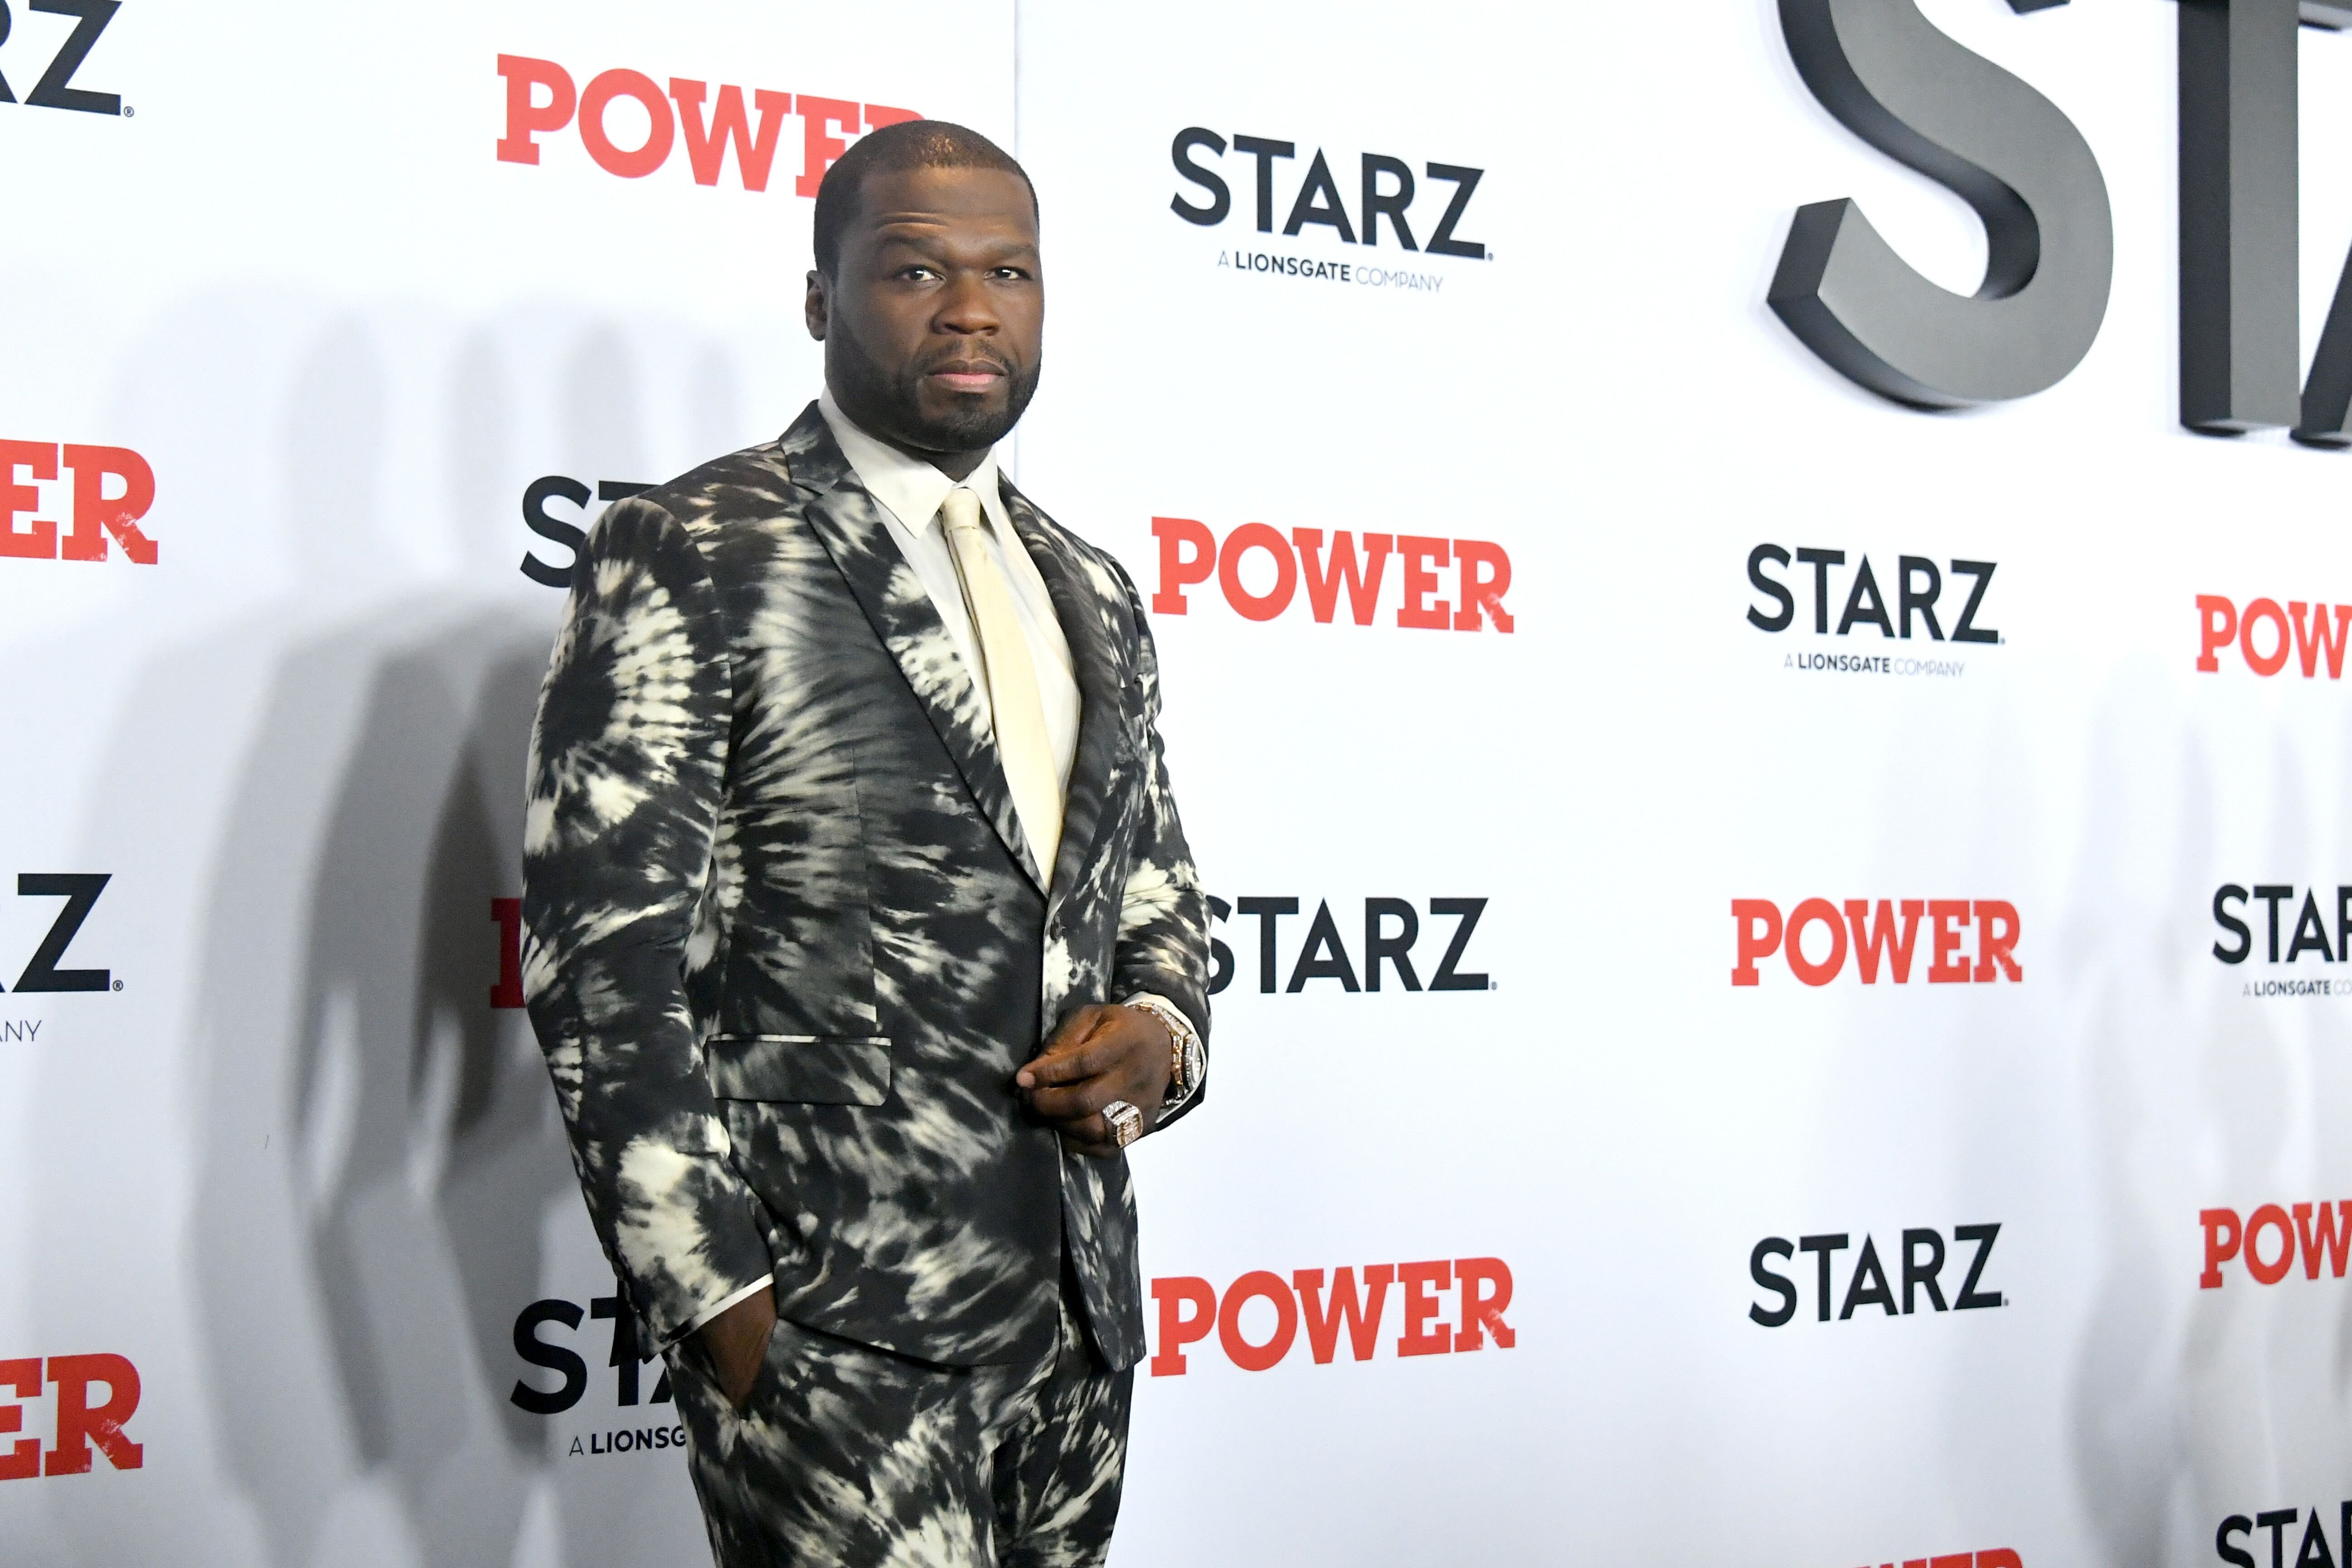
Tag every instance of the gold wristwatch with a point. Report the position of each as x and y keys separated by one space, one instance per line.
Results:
x=1188 y=1060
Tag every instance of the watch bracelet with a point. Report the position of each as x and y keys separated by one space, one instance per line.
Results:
x=1183 y=1041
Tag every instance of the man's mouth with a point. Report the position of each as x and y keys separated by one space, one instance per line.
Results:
x=967 y=375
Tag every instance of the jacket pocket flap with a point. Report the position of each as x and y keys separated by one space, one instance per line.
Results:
x=815 y=1069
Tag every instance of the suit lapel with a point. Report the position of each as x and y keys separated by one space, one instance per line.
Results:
x=1084 y=606
x=849 y=522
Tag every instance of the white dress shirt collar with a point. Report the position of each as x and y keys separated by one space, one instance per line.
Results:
x=911 y=487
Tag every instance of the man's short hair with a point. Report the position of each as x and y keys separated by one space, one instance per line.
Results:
x=895 y=150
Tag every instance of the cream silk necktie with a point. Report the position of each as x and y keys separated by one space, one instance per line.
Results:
x=1012 y=680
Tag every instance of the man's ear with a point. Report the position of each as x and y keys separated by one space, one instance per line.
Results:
x=814 y=308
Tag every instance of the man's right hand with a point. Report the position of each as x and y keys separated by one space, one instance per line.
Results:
x=737 y=1343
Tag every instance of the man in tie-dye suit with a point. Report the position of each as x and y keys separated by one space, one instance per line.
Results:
x=862 y=933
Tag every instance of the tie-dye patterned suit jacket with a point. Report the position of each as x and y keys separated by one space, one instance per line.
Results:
x=783 y=950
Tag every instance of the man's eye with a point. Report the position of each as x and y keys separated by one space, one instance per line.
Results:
x=920 y=274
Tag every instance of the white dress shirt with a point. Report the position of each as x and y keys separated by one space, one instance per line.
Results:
x=910 y=491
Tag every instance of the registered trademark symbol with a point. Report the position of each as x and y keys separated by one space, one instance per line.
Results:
x=118 y=986
x=1493 y=985
x=128 y=113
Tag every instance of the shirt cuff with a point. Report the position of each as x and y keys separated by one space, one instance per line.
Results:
x=745 y=1294
x=1188 y=1040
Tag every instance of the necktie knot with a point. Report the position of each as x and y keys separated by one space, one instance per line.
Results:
x=961 y=510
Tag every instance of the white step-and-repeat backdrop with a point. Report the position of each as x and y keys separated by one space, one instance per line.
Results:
x=1781 y=954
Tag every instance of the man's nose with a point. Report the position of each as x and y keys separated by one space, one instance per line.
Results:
x=966 y=308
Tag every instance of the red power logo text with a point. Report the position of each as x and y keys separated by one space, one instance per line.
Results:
x=1881 y=940
x=1349 y=569
x=93 y=517
x=2316 y=1232
x=82 y=1423
x=1350 y=1304
x=2264 y=634
x=542 y=98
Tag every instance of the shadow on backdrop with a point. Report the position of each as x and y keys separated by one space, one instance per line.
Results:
x=379 y=1166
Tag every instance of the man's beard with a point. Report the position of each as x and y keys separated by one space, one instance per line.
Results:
x=890 y=402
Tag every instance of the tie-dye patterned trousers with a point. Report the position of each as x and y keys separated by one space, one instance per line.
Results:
x=850 y=1456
